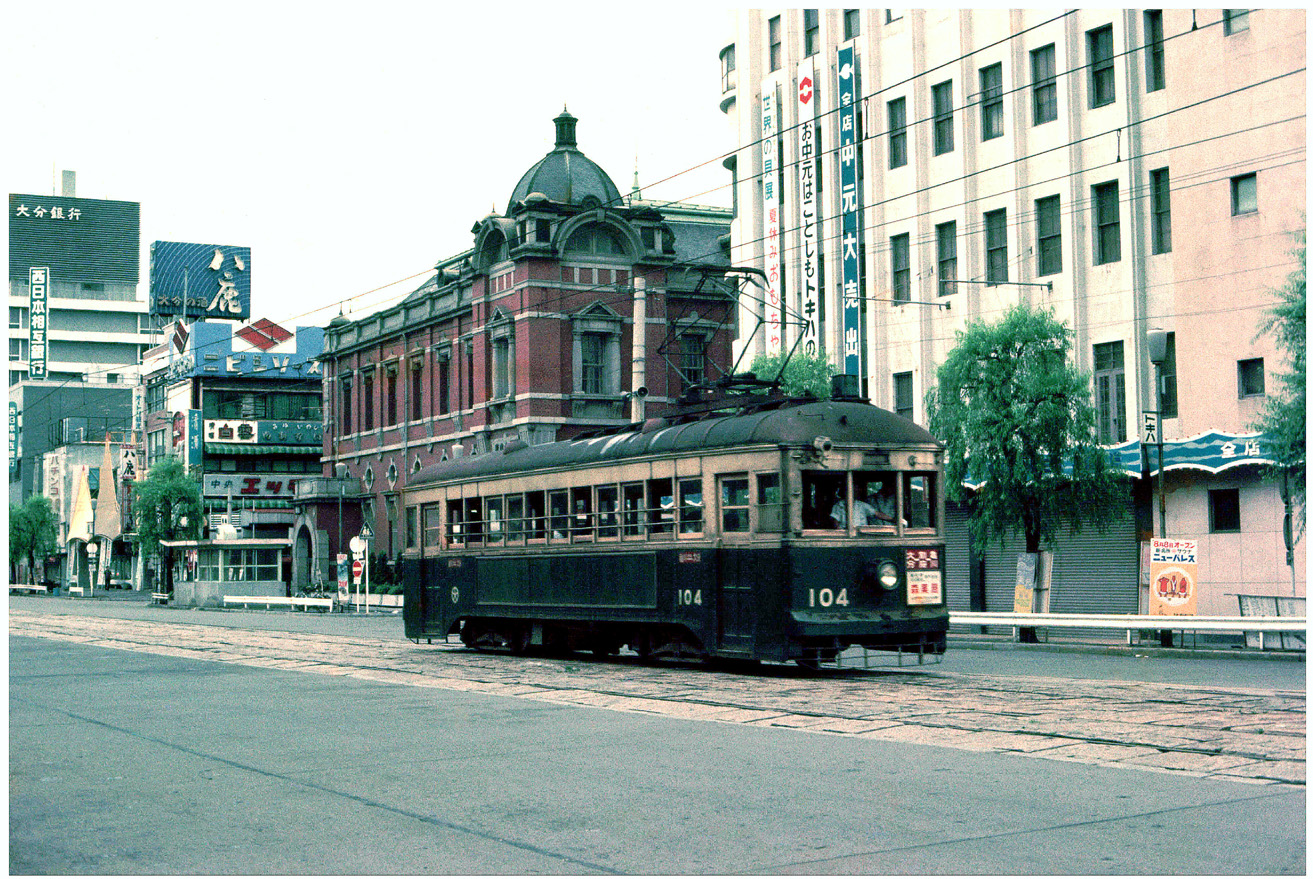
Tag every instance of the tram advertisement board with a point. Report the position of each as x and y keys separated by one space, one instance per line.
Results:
x=1173 y=577
x=924 y=577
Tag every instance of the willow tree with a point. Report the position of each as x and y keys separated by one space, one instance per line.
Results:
x=166 y=507
x=1016 y=418
x=804 y=375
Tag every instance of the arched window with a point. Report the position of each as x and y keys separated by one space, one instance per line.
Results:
x=595 y=240
x=494 y=250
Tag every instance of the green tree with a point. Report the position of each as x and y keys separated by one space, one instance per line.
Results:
x=33 y=530
x=805 y=375
x=1015 y=414
x=1285 y=417
x=166 y=506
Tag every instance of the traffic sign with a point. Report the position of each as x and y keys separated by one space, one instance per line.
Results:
x=366 y=533
x=357 y=568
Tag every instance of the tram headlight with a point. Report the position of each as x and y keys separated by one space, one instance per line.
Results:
x=888 y=575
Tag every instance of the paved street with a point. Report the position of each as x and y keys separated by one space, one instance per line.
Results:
x=228 y=743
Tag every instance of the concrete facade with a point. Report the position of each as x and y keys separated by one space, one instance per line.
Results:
x=1148 y=170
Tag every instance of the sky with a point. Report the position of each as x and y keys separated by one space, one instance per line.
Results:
x=352 y=146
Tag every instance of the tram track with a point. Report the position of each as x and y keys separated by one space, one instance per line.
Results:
x=1240 y=734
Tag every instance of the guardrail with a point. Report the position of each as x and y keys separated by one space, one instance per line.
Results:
x=1134 y=622
x=269 y=601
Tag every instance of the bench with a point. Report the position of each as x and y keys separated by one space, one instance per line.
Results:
x=272 y=601
x=75 y=590
x=29 y=588
x=159 y=597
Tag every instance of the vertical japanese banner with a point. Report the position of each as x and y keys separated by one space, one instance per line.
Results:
x=13 y=436
x=809 y=226
x=195 y=438
x=770 y=203
x=37 y=314
x=850 y=206
x=1173 y=577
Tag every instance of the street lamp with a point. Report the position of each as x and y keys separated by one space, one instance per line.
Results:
x=341 y=472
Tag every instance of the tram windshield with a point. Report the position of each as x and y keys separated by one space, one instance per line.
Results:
x=869 y=499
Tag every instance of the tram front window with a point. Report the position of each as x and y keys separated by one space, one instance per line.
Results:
x=919 y=501
x=875 y=502
x=822 y=498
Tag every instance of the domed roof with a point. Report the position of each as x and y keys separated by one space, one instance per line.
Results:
x=566 y=175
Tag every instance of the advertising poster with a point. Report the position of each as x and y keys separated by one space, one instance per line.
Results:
x=1023 y=600
x=1173 y=577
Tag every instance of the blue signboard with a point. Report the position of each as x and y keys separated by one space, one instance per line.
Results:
x=13 y=436
x=850 y=206
x=195 y=281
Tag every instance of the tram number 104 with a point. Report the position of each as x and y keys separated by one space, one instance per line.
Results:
x=688 y=597
x=827 y=598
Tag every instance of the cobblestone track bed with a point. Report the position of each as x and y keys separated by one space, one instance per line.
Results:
x=1237 y=734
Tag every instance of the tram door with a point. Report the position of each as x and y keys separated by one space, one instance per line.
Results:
x=736 y=618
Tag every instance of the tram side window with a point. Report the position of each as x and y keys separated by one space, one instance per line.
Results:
x=770 y=503
x=690 y=506
x=734 y=503
x=877 y=492
x=536 y=522
x=432 y=525
x=493 y=510
x=581 y=501
x=412 y=527
x=473 y=519
x=920 y=502
x=823 y=498
x=606 y=511
x=661 y=506
x=515 y=526
x=559 y=503
x=455 y=521
x=633 y=513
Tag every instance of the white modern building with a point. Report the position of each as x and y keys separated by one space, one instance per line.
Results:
x=905 y=172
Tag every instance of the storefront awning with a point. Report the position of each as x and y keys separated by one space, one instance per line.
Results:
x=1211 y=452
x=260 y=449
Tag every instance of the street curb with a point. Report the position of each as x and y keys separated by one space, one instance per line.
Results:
x=969 y=642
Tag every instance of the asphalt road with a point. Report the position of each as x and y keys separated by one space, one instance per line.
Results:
x=124 y=761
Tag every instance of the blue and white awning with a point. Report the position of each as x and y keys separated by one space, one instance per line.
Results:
x=1212 y=452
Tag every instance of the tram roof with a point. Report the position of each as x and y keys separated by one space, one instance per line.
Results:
x=844 y=422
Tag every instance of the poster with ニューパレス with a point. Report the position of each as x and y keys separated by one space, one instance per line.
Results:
x=1173 y=577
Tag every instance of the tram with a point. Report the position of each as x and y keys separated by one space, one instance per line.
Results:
x=766 y=528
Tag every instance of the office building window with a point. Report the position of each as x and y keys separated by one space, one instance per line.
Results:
x=773 y=28
x=898 y=133
x=444 y=385
x=592 y=350
x=1048 y=234
x=16 y=317
x=1223 y=510
x=904 y=401
x=391 y=384
x=693 y=358
x=1110 y=392
x=1234 y=21
x=1044 y=84
x=946 y=256
x=1250 y=373
x=811 y=32
x=852 y=23
x=1107 y=223
x=367 y=400
x=1168 y=406
x=417 y=389
x=991 y=102
x=1155 y=73
x=900 y=268
x=996 y=246
x=1160 y=197
x=727 y=80
x=503 y=366
x=1102 y=83
x=345 y=415
x=942 y=98
x=1244 y=194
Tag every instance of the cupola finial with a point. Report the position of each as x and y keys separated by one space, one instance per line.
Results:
x=565 y=138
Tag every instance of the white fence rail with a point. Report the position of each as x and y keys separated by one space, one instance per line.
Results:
x=1134 y=622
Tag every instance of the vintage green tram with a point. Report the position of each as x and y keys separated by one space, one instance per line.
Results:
x=784 y=530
